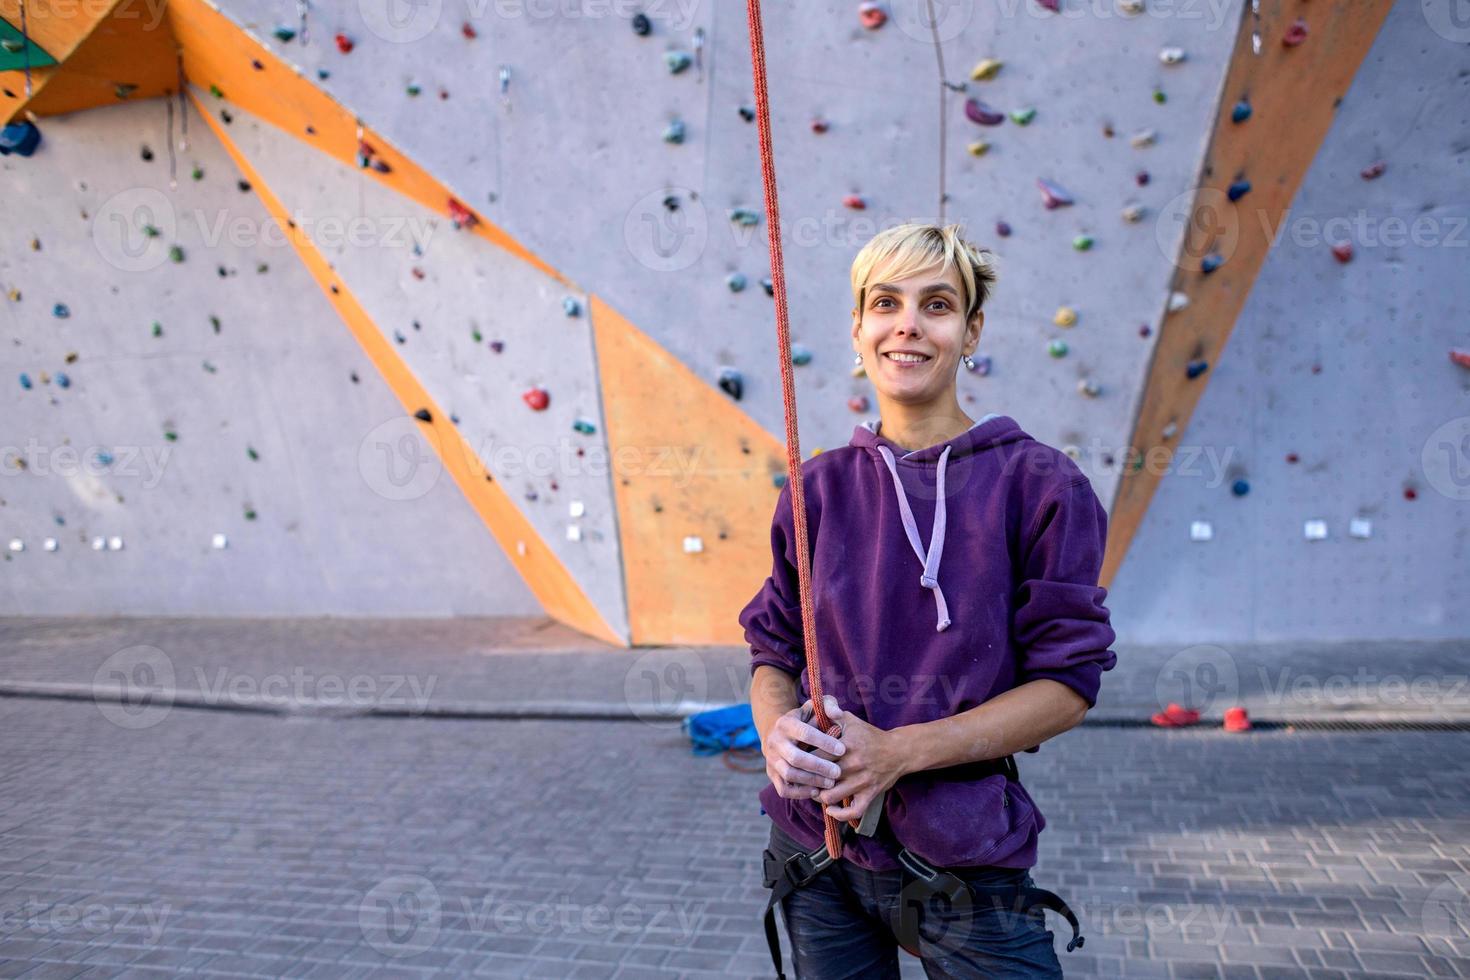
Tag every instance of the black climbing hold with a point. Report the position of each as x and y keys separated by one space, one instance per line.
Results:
x=422 y=414
x=147 y=153
x=641 y=25
x=768 y=286
x=731 y=384
x=747 y=113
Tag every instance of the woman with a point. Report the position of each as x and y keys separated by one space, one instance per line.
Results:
x=936 y=671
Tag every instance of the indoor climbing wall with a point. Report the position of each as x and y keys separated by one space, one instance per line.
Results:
x=629 y=161
x=1322 y=489
x=188 y=428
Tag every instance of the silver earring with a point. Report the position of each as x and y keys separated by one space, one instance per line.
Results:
x=858 y=359
x=969 y=362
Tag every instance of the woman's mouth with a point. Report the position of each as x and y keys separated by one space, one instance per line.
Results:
x=906 y=360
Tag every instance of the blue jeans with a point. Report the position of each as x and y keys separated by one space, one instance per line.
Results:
x=843 y=925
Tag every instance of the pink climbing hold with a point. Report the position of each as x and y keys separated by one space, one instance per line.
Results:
x=872 y=15
x=980 y=113
x=858 y=403
x=537 y=398
x=1460 y=357
x=1053 y=195
x=1343 y=252
x=344 y=43
x=854 y=202
x=1141 y=178
x=1055 y=6
x=1374 y=171
x=460 y=215
x=1295 y=34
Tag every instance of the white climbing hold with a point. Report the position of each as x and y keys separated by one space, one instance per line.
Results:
x=574 y=532
x=1360 y=527
x=693 y=545
x=1131 y=6
x=1172 y=56
x=1315 y=530
x=1089 y=387
x=16 y=544
x=521 y=548
x=1144 y=137
x=50 y=544
x=1177 y=301
x=1170 y=429
x=114 y=543
x=1073 y=452
x=99 y=543
x=1200 y=531
x=219 y=542
x=1133 y=213
x=576 y=508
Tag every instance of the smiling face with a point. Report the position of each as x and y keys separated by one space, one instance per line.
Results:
x=912 y=333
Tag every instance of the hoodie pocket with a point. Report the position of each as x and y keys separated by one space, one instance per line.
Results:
x=953 y=822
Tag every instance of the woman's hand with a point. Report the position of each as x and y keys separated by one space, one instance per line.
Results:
x=797 y=773
x=872 y=763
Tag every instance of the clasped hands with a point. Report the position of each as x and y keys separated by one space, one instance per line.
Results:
x=804 y=762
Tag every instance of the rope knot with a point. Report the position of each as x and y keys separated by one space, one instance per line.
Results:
x=928 y=581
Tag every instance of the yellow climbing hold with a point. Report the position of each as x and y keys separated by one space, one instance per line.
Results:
x=985 y=70
x=979 y=148
x=1066 y=316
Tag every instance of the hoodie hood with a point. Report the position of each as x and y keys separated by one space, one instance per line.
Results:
x=990 y=430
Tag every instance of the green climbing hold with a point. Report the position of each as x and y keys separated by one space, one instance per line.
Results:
x=198 y=173
x=214 y=322
x=150 y=231
x=584 y=427
x=1160 y=97
x=283 y=34
x=476 y=335
x=210 y=368
x=1082 y=242
x=1023 y=117
x=250 y=513
x=249 y=451
x=677 y=61
x=674 y=132
x=744 y=216
x=215 y=91
x=1057 y=348
x=175 y=254
x=157 y=329
x=413 y=90
x=123 y=89
x=170 y=435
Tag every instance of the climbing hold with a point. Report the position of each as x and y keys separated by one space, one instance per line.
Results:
x=677 y=61
x=982 y=114
x=693 y=545
x=219 y=542
x=642 y=26
x=469 y=32
x=674 y=132
x=20 y=138
x=1107 y=130
x=768 y=286
x=1082 y=242
x=1343 y=252
x=284 y=34
x=1374 y=171
x=1057 y=348
x=1023 y=117
x=730 y=383
x=800 y=354
x=1196 y=368
x=323 y=74
x=210 y=367
x=423 y=415
x=747 y=113
x=584 y=427
x=25 y=381
x=461 y=215
x=735 y=281
x=1144 y=330
x=1410 y=493
x=1240 y=487
x=858 y=403
x=1460 y=357
x=497 y=345
x=980 y=365
x=1159 y=95
x=1141 y=178
x=170 y=435
x=1133 y=213
x=1211 y=262
x=872 y=15
x=1144 y=137
x=146 y=153
x=1172 y=56
x=214 y=322
x=744 y=216
x=1170 y=429
x=250 y=451
x=1089 y=387
x=537 y=398
x=978 y=148
x=344 y=43
x=1241 y=112
x=1053 y=195
x=1065 y=316
x=854 y=202
x=1238 y=189
x=1003 y=229
x=197 y=173
x=820 y=125
x=986 y=69
x=1055 y=6
x=175 y=253
x=1295 y=34
x=1131 y=6
x=1178 y=301
x=571 y=307
x=398 y=336
x=61 y=311
x=1314 y=530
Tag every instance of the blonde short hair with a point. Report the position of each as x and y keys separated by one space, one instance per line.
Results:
x=905 y=250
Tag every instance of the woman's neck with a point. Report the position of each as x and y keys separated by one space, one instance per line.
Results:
x=914 y=430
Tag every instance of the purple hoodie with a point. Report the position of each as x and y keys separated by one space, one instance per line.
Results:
x=906 y=638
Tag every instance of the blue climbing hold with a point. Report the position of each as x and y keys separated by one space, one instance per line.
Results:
x=25 y=381
x=1240 y=488
x=1196 y=368
x=20 y=138
x=736 y=281
x=1211 y=262
x=62 y=379
x=61 y=311
x=1239 y=189
x=1241 y=112
x=571 y=307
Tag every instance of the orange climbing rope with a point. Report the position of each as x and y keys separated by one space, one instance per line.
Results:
x=788 y=394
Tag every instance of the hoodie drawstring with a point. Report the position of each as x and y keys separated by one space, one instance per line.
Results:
x=930 y=577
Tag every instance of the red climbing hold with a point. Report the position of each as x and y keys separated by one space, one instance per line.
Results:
x=1292 y=457
x=344 y=43
x=468 y=30
x=1343 y=252
x=1410 y=493
x=858 y=403
x=1460 y=357
x=1295 y=34
x=872 y=15
x=1236 y=720
x=460 y=215
x=537 y=398
x=820 y=125
x=855 y=202
x=1374 y=171
x=1175 y=716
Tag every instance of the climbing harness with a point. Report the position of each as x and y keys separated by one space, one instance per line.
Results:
x=783 y=877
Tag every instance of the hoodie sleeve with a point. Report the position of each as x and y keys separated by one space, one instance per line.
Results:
x=772 y=619
x=1061 y=626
